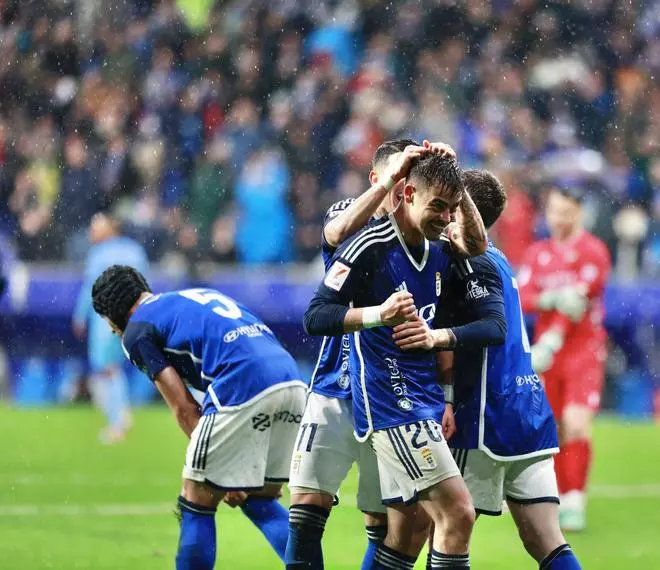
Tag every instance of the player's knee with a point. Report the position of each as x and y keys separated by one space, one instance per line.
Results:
x=575 y=424
x=531 y=540
x=460 y=519
x=372 y=519
x=421 y=531
x=200 y=494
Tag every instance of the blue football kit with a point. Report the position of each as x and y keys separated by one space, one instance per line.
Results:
x=501 y=407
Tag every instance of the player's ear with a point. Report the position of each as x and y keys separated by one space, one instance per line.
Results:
x=373 y=177
x=409 y=192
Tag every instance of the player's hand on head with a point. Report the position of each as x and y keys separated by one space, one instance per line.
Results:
x=398 y=308
x=235 y=498
x=440 y=148
x=402 y=162
x=414 y=335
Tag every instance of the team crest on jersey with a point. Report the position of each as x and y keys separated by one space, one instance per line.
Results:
x=343 y=381
x=438 y=284
x=405 y=404
x=476 y=291
x=337 y=276
x=427 y=454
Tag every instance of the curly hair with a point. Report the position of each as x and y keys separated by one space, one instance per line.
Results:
x=116 y=291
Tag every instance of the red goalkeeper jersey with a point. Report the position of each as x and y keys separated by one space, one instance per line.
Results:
x=549 y=264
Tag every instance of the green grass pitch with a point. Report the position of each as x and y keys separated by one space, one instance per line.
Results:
x=66 y=502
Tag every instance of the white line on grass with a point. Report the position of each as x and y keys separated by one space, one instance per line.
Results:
x=615 y=492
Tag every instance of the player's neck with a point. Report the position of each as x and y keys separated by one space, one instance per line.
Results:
x=410 y=234
x=569 y=238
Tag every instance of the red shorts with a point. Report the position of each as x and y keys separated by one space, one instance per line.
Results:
x=576 y=377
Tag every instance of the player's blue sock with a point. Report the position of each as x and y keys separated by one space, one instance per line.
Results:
x=376 y=535
x=306 y=525
x=117 y=394
x=271 y=518
x=561 y=558
x=440 y=561
x=197 y=537
x=388 y=559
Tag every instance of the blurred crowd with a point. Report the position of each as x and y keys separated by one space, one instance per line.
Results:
x=226 y=141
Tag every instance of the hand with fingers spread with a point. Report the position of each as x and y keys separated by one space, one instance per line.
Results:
x=417 y=335
x=439 y=148
x=398 y=308
x=401 y=163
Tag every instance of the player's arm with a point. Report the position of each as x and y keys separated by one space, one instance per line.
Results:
x=178 y=398
x=468 y=234
x=329 y=312
x=351 y=220
x=481 y=287
x=143 y=348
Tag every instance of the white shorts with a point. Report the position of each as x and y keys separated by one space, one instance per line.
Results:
x=244 y=448
x=524 y=481
x=326 y=450
x=411 y=458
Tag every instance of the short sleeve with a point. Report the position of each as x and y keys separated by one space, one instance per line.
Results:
x=143 y=349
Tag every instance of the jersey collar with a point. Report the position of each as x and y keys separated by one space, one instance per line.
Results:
x=425 y=257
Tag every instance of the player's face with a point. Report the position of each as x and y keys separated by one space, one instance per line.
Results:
x=564 y=215
x=432 y=209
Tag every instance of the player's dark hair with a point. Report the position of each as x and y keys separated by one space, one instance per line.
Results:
x=568 y=190
x=486 y=192
x=388 y=148
x=436 y=170
x=116 y=291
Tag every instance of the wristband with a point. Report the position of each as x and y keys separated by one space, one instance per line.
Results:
x=371 y=317
x=388 y=183
x=448 y=389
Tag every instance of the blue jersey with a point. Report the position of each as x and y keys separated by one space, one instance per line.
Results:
x=501 y=406
x=215 y=344
x=331 y=376
x=104 y=348
x=390 y=387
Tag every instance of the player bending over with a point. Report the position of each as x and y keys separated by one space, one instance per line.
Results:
x=242 y=436
x=505 y=432
x=396 y=396
x=562 y=279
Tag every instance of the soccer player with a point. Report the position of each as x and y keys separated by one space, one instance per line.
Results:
x=562 y=280
x=505 y=433
x=243 y=435
x=396 y=396
x=108 y=384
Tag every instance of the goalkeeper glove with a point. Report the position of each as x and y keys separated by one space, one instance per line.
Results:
x=570 y=301
x=543 y=352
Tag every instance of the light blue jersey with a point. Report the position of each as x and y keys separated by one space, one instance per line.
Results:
x=215 y=344
x=104 y=348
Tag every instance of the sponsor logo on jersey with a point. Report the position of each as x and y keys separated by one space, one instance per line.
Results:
x=476 y=291
x=261 y=422
x=398 y=383
x=405 y=404
x=438 y=284
x=337 y=276
x=246 y=330
x=531 y=380
x=427 y=312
